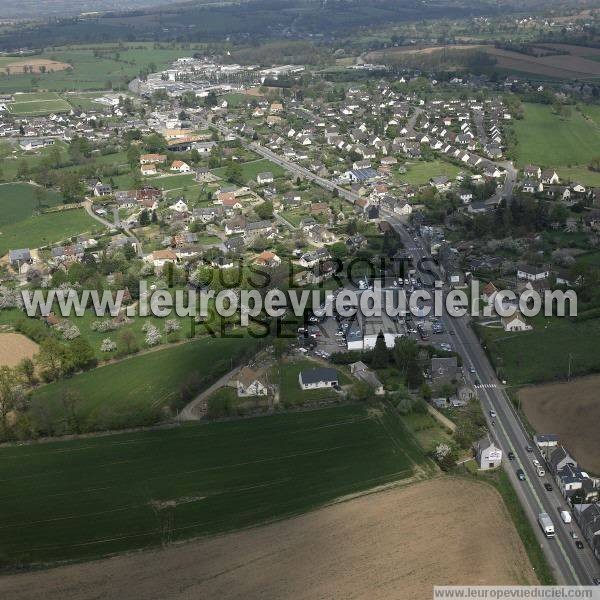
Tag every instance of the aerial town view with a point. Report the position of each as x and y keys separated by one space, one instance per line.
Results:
x=299 y=299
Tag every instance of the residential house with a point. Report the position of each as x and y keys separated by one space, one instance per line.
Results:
x=159 y=258
x=264 y=178
x=515 y=322
x=550 y=177
x=488 y=455
x=180 y=166
x=251 y=383
x=18 y=258
x=102 y=189
x=532 y=172
x=364 y=374
x=318 y=378
x=532 y=273
x=267 y=259
x=152 y=159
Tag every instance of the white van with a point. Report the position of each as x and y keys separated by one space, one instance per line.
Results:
x=565 y=515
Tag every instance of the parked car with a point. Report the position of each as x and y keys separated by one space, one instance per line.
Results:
x=521 y=474
x=596 y=580
x=579 y=544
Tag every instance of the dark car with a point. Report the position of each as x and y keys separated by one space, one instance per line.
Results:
x=511 y=456
x=596 y=580
x=521 y=474
x=579 y=544
x=548 y=487
x=529 y=448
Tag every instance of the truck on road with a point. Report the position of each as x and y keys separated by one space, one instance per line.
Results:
x=546 y=524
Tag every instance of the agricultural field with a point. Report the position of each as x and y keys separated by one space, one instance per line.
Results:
x=14 y=347
x=572 y=411
x=74 y=500
x=546 y=139
x=37 y=104
x=12 y=66
x=138 y=390
x=420 y=173
x=97 y=67
x=316 y=553
x=518 y=354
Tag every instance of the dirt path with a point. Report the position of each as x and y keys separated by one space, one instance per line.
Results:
x=387 y=545
x=196 y=409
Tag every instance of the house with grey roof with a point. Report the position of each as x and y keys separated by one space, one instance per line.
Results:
x=318 y=378
x=487 y=453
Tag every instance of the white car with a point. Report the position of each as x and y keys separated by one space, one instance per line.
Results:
x=493 y=414
x=536 y=462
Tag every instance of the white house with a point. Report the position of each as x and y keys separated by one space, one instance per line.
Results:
x=159 y=258
x=180 y=166
x=251 y=383
x=180 y=206
x=317 y=378
x=149 y=169
x=266 y=177
x=488 y=455
x=532 y=273
x=515 y=322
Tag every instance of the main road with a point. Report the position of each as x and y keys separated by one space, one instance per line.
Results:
x=569 y=565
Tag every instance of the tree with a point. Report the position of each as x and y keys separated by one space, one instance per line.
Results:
x=10 y=394
x=264 y=210
x=27 y=369
x=210 y=100
x=445 y=455
x=379 y=356
x=144 y=218
x=234 y=173
x=71 y=187
x=52 y=359
x=129 y=341
x=82 y=354
x=23 y=172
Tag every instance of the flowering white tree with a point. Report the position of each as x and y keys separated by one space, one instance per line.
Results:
x=107 y=345
x=172 y=325
x=441 y=452
x=71 y=332
x=153 y=336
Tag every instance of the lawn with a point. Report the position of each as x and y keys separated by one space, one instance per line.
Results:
x=580 y=174
x=88 y=498
x=137 y=390
x=18 y=201
x=31 y=108
x=251 y=169
x=543 y=354
x=286 y=374
x=549 y=140
x=421 y=172
x=45 y=229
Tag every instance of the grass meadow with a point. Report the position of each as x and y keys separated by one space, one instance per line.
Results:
x=138 y=390
x=547 y=139
x=75 y=500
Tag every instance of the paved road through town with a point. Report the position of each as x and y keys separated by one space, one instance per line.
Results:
x=570 y=565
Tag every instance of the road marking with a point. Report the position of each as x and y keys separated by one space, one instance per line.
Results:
x=485 y=386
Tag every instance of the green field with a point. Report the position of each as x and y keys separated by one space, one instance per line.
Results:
x=18 y=201
x=84 y=499
x=21 y=228
x=251 y=169
x=522 y=360
x=421 y=172
x=546 y=139
x=112 y=66
x=136 y=391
